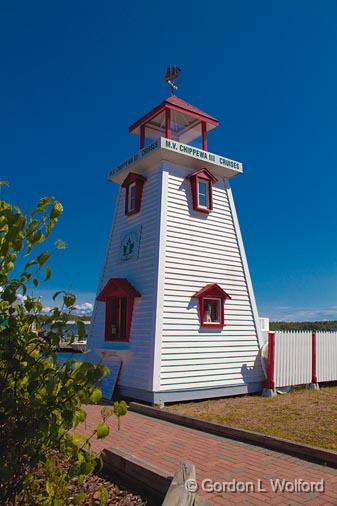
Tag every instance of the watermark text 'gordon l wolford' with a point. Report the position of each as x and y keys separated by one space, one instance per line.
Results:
x=277 y=485
x=300 y=485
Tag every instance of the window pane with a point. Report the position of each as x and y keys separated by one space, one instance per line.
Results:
x=113 y=309
x=118 y=318
x=132 y=197
x=202 y=194
x=212 y=310
x=122 y=318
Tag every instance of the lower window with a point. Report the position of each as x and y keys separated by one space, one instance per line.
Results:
x=119 y=296
x=211 y=305
x=212 y=311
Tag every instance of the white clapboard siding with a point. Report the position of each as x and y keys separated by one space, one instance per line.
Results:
x=210 y=382
x=202 y=250
x=292 y=358
x=179 y=333
x=231 y=317
x=199 y=257
x=207 y=355
x=326 y=356
x=142 y=274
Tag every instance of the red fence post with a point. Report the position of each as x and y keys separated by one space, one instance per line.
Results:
x=270 y=382
x=313 y=359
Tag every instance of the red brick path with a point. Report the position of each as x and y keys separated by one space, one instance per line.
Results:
x=164 y=445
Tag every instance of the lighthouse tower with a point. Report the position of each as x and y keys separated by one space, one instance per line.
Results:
x=175 y=312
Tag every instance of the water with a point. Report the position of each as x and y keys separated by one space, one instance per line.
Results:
x=66 y=356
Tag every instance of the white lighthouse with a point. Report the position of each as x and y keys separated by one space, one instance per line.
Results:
x=175 y=306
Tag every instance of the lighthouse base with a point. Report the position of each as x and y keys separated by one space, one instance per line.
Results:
x=160 y=398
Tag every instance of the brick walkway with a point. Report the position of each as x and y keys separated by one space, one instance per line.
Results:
x=164 y=445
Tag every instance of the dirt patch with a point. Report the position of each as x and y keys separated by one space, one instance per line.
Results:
x=95 y=489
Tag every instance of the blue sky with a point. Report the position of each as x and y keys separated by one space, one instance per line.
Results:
x=75 y=75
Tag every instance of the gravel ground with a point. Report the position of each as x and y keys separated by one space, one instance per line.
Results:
x=117 y=496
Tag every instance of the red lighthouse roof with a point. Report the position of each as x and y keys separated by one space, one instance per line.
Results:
x=174 y=119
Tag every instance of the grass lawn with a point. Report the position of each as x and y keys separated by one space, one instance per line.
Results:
x=306 y=416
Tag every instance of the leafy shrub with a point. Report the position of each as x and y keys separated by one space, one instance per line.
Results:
x=41 y=400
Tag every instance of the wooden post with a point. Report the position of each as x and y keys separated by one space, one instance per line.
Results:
x=183 y=488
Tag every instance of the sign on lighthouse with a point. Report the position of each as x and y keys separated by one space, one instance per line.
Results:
x=175 y=307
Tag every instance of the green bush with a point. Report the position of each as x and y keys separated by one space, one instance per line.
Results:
x=41 y=400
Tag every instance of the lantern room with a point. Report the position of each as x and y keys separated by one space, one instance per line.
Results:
x=177 y=120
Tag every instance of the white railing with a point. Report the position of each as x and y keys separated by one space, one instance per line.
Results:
x=299 y=358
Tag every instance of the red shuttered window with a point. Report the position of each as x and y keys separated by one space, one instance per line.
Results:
x=119 y=297
x=133 y=185
x=201 y=188
x=212 y=300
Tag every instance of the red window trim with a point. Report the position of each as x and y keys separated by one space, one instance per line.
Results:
x=212 y=291
x=139 y=181
x=117 y=288
x=204 y=175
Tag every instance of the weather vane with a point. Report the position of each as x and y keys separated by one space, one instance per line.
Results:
x=172 y=73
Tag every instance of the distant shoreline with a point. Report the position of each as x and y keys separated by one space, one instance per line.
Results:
x=325 y=325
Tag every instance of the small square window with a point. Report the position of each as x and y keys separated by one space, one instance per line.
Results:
x=212 y=308
x=211 y=305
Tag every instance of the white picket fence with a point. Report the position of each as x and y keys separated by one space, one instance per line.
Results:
x=292 y=358
x=326 y=356
x=299 y=358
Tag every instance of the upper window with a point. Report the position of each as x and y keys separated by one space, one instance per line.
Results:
x=118 y=295
x=201 y=187
x=203 y=193
x=133 y=185
x=211 y=305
